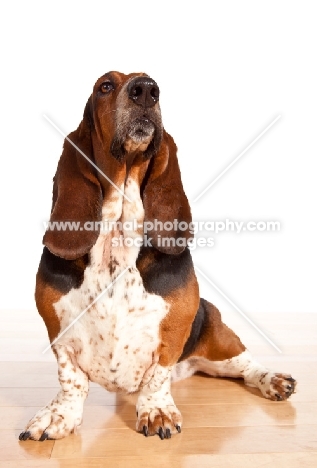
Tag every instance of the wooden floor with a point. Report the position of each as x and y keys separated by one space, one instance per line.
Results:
x=225 y=423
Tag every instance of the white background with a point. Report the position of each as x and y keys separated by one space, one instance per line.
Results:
x=225 y=70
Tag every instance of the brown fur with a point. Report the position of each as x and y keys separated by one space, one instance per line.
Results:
x=218 y=341
x=45 y=297
x=176 y=326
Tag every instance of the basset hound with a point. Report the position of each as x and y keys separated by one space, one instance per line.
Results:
x=123 y=309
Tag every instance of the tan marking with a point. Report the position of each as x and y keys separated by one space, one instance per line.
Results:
x=132 y=146
x=45 y=297
x=176 y=326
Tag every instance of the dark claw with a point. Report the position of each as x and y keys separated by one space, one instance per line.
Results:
x=168 y=434
x=24 y=435
x=278 y=397
x=145 y=431
x=161 y=433
x=43 y=437
x=178 y=428
x=290 y=379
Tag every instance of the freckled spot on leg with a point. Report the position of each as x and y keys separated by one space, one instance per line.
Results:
x=263 y=377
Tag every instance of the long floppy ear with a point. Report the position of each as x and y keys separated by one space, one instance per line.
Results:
x=77 y=198
x=164 y=201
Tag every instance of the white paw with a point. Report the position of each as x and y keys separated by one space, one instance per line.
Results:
x=52 y=422
x=162 y=421
x=276 y=386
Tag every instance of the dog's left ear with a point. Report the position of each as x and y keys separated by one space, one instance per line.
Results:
x=167 y=212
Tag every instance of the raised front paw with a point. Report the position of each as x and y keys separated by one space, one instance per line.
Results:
x=51 y=423
x=162 y=421
x=277 y=386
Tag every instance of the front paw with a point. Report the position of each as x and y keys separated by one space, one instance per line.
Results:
x=162 y=421
x=277 y=386
x=51 y=423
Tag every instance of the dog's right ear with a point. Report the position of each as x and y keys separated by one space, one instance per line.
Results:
x=77 y=196
x=164 y=200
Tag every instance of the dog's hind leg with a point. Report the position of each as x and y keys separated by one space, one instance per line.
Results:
x=214 y=349
x=63 y=414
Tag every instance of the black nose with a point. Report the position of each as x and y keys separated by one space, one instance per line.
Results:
x=143 y=91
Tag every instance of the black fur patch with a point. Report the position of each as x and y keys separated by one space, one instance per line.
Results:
x=166 y=272
x=198 y=327
x=117 y=150
x=60 y=273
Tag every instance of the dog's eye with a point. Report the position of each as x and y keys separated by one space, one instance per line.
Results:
x=106 y=87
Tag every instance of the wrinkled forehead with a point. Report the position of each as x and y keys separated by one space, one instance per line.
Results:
x=117 y=78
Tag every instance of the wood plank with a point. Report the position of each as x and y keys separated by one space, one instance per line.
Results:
x=266 y=439
x=12 y=449
x=222 y=415
x=282 y=460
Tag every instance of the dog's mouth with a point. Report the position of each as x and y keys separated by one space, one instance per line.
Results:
x=143 y=133
x=141 y=129
x=139 y=135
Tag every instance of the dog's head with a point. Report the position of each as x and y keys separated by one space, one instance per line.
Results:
x=121 y=127
x=125 y=112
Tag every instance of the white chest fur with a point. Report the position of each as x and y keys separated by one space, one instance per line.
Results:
x=116 y=337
